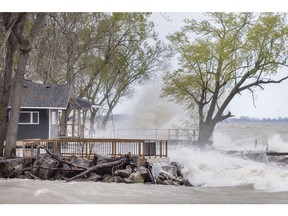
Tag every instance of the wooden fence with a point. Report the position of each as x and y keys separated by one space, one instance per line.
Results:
x=86 y=148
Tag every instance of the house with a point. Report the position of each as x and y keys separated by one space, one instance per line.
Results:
x=41 y=108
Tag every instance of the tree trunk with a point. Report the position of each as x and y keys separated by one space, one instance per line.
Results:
x=5 y=98
x=106 y=119
x=16 y=95
x=6 y=82
x=63 y=124
x=92 y=121
x=3 y=122
x=205 y=132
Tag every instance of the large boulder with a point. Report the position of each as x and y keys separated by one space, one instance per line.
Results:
x=140 y=175
x=167 y=179
x=136 y=178
x=124 y=173
x=173 y=169
x=171 y=175
x=44 y=166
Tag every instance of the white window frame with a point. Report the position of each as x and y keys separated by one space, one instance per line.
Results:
x=31 y=118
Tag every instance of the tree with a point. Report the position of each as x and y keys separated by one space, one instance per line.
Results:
x=135 y=57
x=8 y=46
x=24 y=31
x=231 y=53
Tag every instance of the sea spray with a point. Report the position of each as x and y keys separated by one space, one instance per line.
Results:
x=213 y=168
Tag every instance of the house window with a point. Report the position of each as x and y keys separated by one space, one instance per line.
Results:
x=54 y=117
x=27 y=117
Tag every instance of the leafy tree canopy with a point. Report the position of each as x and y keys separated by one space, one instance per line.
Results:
x=221 y=57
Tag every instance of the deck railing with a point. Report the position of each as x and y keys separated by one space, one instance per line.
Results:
x=86 y=148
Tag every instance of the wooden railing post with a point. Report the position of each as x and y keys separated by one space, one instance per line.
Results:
x=155 y=148
x=114 y=148
x=38 y=149
x=161 y=148
x=166 y=148
x=144 y=150
x=86 y=150
x=139 y=149
x=23 y=149
x=32 y=150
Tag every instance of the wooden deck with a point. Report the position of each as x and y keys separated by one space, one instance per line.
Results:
x=85 y=148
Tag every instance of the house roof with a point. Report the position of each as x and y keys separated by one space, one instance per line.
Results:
x=83 y=104
x=37 y=95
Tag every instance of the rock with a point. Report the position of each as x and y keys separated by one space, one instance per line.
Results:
x=166 y=176
x=124 y=173
x=135 y=160
x=166 y=182
x=144 y=173
x=118 y=179
x=77 y=161
x=176 y=169
x=29 y=175
x=128 y=180
x=171 y=175
x=140 y=175
x=173 y=169
x=187 y=183
x=59 y=176
x=43 y=166
x=93 y=176
x=136 y=178
x=110 y=178
x=21 y=177
x=167 y=179
x=13 y=167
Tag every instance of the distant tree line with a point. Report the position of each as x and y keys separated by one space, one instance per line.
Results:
x=251 y=119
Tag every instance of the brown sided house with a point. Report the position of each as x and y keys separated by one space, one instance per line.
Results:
x=41 y=108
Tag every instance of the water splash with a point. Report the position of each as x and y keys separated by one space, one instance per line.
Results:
x=213 y=168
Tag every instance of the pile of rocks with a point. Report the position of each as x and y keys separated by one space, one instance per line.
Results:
x=126 y=169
